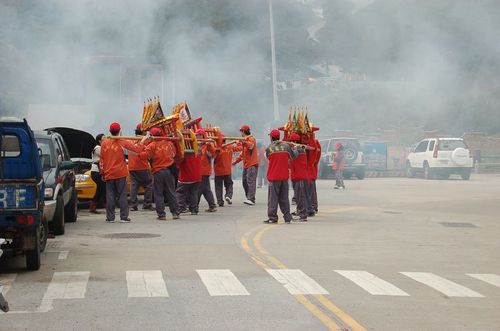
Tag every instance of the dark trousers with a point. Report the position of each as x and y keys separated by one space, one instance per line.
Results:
x=339 y=178
x=116 y=192
x=250 y=182
x=313 y=197
x=300 y=188
x=141 y=178
x=100 y=192
x=206 y=191
x=175 y=172
x=262 y=176
x=164 y=187
x=278 y=195
x=187 y=196
x=222 y=182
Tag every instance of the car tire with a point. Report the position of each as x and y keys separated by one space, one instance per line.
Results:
x=410 y=173
x=58 y=221
x=34 y=256
x=427 y=171
x=466 y=174
x=71 y=209
x=360 y=173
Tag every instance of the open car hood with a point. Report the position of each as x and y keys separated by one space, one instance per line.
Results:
x=80 y=143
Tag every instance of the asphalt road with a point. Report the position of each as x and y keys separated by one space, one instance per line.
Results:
x=385 y=254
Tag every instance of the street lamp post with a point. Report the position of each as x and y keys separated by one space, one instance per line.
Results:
x=273 y=64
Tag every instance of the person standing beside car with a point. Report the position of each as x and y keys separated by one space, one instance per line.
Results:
x=140 y=176
x=338 y=165
x=100 y=192
x=114 y=168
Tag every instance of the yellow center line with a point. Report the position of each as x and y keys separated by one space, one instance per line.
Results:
x=325 y=319
x=313 y=309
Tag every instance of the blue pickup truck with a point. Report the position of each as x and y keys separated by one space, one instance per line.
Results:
x=22 y=224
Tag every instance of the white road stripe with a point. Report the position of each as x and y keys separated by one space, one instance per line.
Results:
x=65 y=285
x=7 y=280
x=222 y=283
x=488 y=278
x=63 y=255
x=445 y=286
x=146 y=284
x=371 y=283
x=296 y=282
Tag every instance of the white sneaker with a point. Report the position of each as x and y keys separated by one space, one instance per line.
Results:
x=249 y=202
x=229 y=201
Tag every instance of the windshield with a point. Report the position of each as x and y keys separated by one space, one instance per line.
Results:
x=451 y=145
x=46 y=155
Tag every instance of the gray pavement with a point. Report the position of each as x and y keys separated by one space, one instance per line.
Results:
x=341 y=270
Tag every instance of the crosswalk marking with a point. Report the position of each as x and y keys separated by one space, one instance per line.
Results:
x=6 y=280
x=222 y=283
x=488 y=278
x=445 y=286
x=371 y=283
x=296 y=281
x=146 y=284
x=68 y=285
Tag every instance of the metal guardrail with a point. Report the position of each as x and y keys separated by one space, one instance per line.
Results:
x=4 y=305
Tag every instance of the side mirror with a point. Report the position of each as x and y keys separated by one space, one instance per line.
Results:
x=66 y=165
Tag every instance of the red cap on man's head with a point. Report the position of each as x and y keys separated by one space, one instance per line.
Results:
x=200 y=132
x=115 y=127
x=155 y=132
x=295 y=137
x=244 y=128
x=139 y=126
x=338 y=144
x=275 y=134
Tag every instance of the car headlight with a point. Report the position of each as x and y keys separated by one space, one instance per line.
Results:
x=82 y=178
x=49 y=193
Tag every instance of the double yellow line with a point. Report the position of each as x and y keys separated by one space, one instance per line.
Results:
x=268 y=261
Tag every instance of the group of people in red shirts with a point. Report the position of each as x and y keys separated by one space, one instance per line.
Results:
x=180 y=181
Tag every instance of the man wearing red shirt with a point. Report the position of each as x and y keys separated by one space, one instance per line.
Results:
x=189 y=182
x=115 y=172
x=279 y=155
x=223 y=170
x=207 y=154
x=161 y=155
x=300 y=177
x=140 y=176
x=250 y=157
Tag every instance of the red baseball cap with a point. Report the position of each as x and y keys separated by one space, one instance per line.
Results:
x=155 y=131
x=244 y=128
x=115 y=127
x=275 y=133
x=139 y=126
x=295 y=137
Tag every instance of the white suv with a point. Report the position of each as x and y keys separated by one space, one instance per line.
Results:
x=440 y=157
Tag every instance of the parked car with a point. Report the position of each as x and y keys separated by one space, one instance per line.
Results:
x=22 y=221
x=354 y=164
x=61 y=202
x=440 y=157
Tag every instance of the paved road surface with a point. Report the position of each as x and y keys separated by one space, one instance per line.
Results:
x=385 y=254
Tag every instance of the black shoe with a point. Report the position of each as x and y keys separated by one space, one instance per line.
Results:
x=311 y=214
x=125 y=220
x=271 y=221
x=194 y=213
x=211 y=210
x=295 y=213
x=175 y=216
x=229 y=201
x=110 y=221
x=221 y=204
x=148 y=207
x=162 y=218
x=183 y=211
x=288 y=222
x=134 y=209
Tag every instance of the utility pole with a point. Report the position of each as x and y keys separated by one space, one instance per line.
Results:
x=273 y=63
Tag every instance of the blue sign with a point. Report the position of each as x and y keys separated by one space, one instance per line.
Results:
x=15 y=196
x=375 y=155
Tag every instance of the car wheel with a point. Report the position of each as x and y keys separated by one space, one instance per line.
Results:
x=71 y=210
x=360 y=173
x=34 y=256
x=466 y=175
x=58 y=221
x=409 y=171
x=427 y=171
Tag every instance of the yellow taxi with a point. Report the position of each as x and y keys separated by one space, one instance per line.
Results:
x=86 y=187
